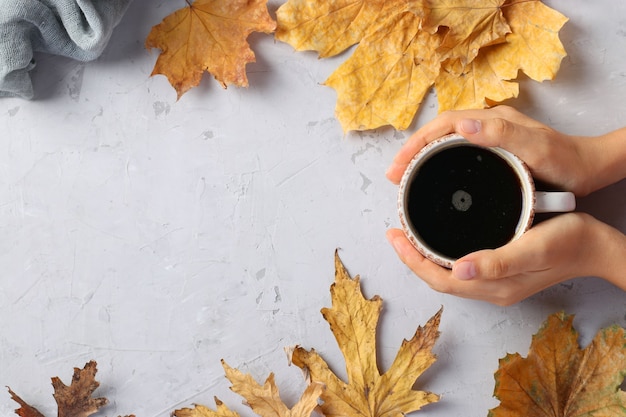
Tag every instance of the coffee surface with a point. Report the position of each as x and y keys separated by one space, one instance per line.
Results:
x=464 y=199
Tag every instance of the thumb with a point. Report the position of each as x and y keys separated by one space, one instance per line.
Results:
x=506 y=261
x=493 y=132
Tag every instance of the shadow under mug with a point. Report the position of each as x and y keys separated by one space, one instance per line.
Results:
x=456 y=197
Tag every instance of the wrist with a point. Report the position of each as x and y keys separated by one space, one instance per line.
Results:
x=608 y=254
x=602 y=160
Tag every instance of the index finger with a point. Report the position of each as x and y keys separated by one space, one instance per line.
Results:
x=446 y=122
x=441 y=125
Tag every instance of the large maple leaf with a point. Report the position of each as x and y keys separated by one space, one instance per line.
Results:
x=263 y=399
x=208 y=35
x=470 y=50
x=558 y=379
x=353 y=320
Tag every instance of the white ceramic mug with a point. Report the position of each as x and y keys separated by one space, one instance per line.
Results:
x=532 y=201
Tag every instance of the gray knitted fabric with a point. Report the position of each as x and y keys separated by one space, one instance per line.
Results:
x=78 y=29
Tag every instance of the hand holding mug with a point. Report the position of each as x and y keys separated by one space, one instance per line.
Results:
x=456 y=197
x=566 y=246
x=563 y=247
x=553 y=157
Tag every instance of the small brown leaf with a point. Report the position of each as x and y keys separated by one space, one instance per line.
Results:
x=75 y=400
x=72 y=401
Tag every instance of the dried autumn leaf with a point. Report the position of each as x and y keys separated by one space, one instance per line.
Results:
x=482 y=84
x=533 y=47
x=330 y=27
x=558 y=379
x=25 y=409
x=470 y=50
x=533 y=43
x=377 y=74
x=326 y=27
x=471 y=25
x=74 y=400
x=203 y=411
x=263 y=399
x=353 y=321
x=208 y=35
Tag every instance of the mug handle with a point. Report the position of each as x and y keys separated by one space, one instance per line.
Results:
x=554 y=201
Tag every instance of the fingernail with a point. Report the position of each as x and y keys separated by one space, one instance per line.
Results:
x=470 y=126
x=464 y=270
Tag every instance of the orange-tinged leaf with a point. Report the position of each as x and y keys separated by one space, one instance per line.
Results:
x=25 y=410
x=353 y=320
x=470 y=25
x=386 y=78
x=558 y=379
x=208 y=35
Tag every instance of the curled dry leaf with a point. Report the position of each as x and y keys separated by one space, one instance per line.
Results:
x=558 y=379
x=74 y=400
x=25 y=410
x=470 y=50
x=264 y=399
x=353 y=321
x=208 y=35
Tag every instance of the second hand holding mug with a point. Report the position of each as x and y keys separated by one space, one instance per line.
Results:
x=456 y=197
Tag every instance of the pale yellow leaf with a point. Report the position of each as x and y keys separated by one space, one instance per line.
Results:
x=482 y=85
x=353 y=321
x=470 y=25
x=387 y=76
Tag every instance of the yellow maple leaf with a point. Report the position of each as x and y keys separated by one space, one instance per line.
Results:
x=353 y=320
x=470 y=25
x=388 y=66
x=263 y=399
x=533 y=46
x=325 y=27
x=200 y=410
x=330 y=27
x=483 y=83
x=558 y=379
x=208 y=35
x=470 y=50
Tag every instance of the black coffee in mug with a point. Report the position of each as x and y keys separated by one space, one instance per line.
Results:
x=463 y=199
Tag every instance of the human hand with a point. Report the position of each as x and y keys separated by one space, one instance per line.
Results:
x=563 y=247
x=552 y=157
